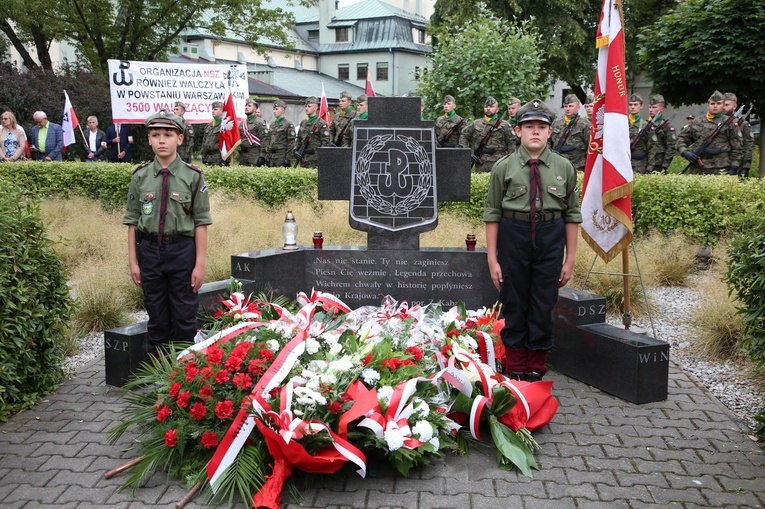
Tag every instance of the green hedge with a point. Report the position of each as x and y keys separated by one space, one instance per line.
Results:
x=701 y=207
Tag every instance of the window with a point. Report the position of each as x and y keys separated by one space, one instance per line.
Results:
x=382 y=71
x=421 y=36
x=313 y=34
x=341 y=34
x=361 y=71
x=343 y=72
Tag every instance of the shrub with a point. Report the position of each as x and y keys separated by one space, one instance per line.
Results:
x=101 y=307
x=36 y=305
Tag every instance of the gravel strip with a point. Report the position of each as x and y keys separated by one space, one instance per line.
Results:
x=726 y=379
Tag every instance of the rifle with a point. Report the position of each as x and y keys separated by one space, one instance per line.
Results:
x=640 y=133
x=339 y=141
x=299 y=153
x=450 y=132
x=709 y=139
x=743 y=117
x=479 y=150
x=566 y=132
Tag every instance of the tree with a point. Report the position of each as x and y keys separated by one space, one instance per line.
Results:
x=483 y=56
x=134 y=29
x=706 y=45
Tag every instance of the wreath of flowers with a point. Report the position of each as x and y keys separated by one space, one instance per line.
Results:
x=311 y=391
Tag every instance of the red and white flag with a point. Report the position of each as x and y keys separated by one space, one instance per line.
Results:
x=324 y=107
x=607 y=190
x=229 y=137
x=369 y=91
x=69 y=121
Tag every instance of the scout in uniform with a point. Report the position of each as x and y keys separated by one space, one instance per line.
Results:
x=575 y=146
x=313 y=129
x=362 y=113
x=723 y=155
x=342 y=121
x=532 y=216
x=662 y=140
x=168 y=210
x=447 y=125
x=211 y=142
x=638 y=145
x=281 y=138
x=252 y=130
x=185 y=151
x=500 y=143
x=730 y=105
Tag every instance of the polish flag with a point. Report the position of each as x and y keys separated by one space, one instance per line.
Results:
x=606 y=195
x=324 y=107
x=229 y=137
x=69 y=122
x=369 y=91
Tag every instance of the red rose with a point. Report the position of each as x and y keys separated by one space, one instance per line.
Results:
x=335 y=407
x=171 y=437
x=233 y=363
x=205 y=392
x=221 y=377
x=414 y=352
x=175 y=389
x=191 y=374
x=209 y=439
x=198 y=411
x=266 y=354
x=183 y=399
x=224 y=409
x=164 y=413
x=242 y=381
x=257 y=367
x=214 y=355
x=368 y=359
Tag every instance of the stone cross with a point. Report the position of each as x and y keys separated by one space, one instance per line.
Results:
x=394 y=175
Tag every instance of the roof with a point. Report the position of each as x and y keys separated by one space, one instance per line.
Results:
x=369 y=9
x=379 y=34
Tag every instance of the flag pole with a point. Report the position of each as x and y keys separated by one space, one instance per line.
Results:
x=627 y=317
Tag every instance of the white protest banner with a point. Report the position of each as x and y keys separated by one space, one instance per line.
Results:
x=140 y=89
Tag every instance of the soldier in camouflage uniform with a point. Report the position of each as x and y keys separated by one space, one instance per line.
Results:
x=281 y=138
x=185 y=150
x=313 y=129
x=662 y=138
x=724 y=153
x=499 y=144
x=252 y=130
x=362 y=113
x=342 y=121
x=513 y=105
x=638 y=143
x=589 y=107
x=730 y=105
x=210 y=143
x=448 y=124
x=575 y=147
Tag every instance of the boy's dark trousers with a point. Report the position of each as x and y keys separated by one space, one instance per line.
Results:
x=167 y=293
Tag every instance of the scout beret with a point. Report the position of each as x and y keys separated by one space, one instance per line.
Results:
x=570 y=98
x=535 y=110
x=636 y=98
x=166 y=119
x=716 y=96
x=362 y=98
x=279 y=104
x=730 y=96
x=180 y=104
x=217 y=104
x=346 y=94
x=449 y=99
x=490 y=101
x=656 y=99
x=513 y=100
x=312 y=100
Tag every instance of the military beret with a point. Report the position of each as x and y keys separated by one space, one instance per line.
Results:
x=656 y=99
x=730 y=96
x=312 y=100
x=535 y=110
x=689 y=117
x=249 y=100
x=716 y=96
x=490 y=101
x=571 y=98
x=217 y=104
x=346 y=94
x=449 y=99
x=279 y=104
x=513 y=100
x=180 y=104
x=166 y=119
x=590 y=99
x=636 y=98
x=362 y=98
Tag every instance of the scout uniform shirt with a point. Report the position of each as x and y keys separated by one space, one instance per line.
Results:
x=188 y=203
x=509 y=187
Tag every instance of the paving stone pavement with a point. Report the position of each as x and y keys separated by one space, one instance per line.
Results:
x=599 y=452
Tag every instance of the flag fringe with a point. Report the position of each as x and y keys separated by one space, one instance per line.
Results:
x=602 y=41
x=612 y=253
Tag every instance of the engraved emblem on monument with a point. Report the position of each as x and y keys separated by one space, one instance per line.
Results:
x=393 y=184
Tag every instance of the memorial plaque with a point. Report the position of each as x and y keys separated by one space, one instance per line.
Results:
x=125 y=348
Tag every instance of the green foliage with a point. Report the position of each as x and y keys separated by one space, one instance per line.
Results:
x=483 y=56
x=35 y=308
x=745 y=277
x=100 y=308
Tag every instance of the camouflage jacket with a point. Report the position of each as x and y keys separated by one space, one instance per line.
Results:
x=500 y=143
x=661 y=140
x=186 y=150
x=316 y=131
x=443 y=125
x=253 y=133
x=575 y=148
x=281 y=140
x=639 y=147
x=211 y=145
x=722 y=153
x=341 y=123
x=747 y=145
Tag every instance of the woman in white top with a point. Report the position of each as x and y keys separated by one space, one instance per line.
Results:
x=12 y=139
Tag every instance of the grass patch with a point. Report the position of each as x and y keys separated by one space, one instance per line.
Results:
x=719 y=331
x=100 y=307
x=666 y=259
